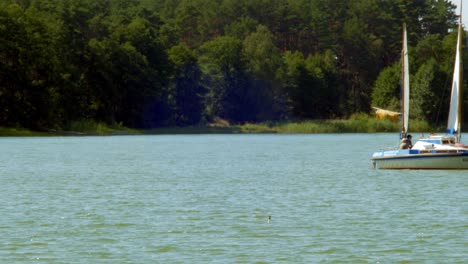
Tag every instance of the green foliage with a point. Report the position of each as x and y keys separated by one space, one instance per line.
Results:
x=221 y=54
x=314 y=87
x=263 y=63
x=221 y=63
x=361 y=125
x=387 y=89
x=428 y=48
x=186 y=94
x=186 y=62
x=241 y=28
x=426 y=102
x=91 y=127
x=28 y=67
x=261 y=55
x=19 y=132
x=431 y=84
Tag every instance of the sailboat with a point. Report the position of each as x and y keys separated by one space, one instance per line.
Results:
x=435 y=151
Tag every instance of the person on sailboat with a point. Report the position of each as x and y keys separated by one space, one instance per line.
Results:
x=404 y=143
x=408 y=141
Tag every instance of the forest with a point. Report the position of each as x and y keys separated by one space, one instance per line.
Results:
x=159 y=63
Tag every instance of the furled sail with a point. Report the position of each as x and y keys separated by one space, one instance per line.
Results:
x=386 y=114
x=405 y=84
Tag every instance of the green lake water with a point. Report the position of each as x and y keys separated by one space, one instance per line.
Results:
x=208 y=199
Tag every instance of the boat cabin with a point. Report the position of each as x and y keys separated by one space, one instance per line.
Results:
x=437 y=143
x=439 y=140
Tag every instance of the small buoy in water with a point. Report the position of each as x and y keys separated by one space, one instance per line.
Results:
x=269 y=219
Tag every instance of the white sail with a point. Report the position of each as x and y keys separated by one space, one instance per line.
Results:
x=454 y=120
x=435 y=151
x=405 y=83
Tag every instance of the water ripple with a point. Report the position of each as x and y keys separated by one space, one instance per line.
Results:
x=223 y=199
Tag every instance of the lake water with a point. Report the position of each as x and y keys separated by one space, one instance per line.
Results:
x=208 y=199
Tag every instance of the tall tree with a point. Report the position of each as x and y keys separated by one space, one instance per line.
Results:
x=263 y=60
x=28 y=67
x=225 y=79
x=186 y=92
x=387 y=88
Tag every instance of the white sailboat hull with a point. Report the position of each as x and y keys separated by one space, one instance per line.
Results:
x=430 y=161
x=434 y=152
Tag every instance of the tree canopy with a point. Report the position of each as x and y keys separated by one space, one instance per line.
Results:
x=186 y=62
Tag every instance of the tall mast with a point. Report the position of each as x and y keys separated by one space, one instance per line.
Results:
x=404 y=85
x=460 y=77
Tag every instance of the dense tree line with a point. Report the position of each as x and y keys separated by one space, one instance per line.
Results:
x=184 y=62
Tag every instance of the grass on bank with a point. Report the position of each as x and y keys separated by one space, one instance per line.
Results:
x=75 y=128
x=91 y=127
x=20 y=132
x=360 y=123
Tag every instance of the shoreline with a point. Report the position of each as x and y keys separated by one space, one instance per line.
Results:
x=361 y=125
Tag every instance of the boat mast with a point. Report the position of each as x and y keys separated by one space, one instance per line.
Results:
x=404 y=85
x=460 y=76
